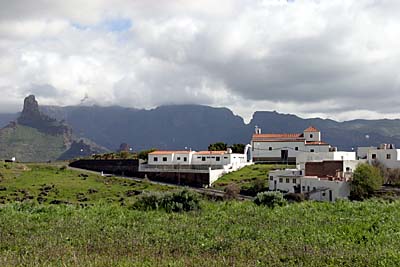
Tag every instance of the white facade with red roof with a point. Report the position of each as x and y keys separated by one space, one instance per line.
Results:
x=285 y=147
x=209 y=158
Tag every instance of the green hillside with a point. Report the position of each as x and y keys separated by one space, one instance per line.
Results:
x=29 y=144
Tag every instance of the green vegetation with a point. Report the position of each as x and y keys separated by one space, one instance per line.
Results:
x=270 y=199
x=45 y=183
x=29 y=144
x=250 y=179
x=221 y=234
x=366 y=180
x=219 y=146
x=170 y=202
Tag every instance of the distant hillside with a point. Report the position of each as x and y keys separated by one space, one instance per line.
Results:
x=36 y=137
x=166 y=127
x=179 y=126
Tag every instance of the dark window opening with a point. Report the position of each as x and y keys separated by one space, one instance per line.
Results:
x=155 y=159
x=373 y=156
x=164 y=159
x=203 y=158
x=184 y=158
x=217 y=158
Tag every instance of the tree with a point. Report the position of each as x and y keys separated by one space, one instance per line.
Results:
x=366 y=180
x=219 y=146
x=238 y=148
x=144 y=153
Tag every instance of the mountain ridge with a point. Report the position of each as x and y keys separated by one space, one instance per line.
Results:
x=196 y=126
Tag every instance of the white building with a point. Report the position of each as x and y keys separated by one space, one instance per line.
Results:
x=285 y=148
x=303 y=158
x=386 y=154
x=213 y=163
x=317 y=188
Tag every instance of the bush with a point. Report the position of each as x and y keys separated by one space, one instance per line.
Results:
x=294 y=197
x=170 y=202
x=231 y=191
x=366 y=180
x=270 y=199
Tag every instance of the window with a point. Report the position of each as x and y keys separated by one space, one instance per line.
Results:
x=388 y=156
x=270 y=148
x=217 y=158
x=271 y=178
x=287 y=180
x=225 y=157
x=311 y=150
x=296 y=148
x=185 y=159
x=347 y=169
x=164 y=159
x=293 y=180
x=308 y=188
x=313 y=188
x=323 y=194
x=311 y=136
x=281 y=180
x=199 y=157
x=373 y=156
x=303 y=188
x=178 y=158
x=203 y=158
x=155 y=159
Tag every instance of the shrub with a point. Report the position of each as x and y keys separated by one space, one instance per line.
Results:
x=366 y=180
x=170 y=202
x=294 y=197
x=270 y=199
x=231 y=191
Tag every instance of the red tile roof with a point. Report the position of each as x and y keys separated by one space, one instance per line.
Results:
x=311 y=129
x=286 y=137
x=210 y=153
x=165 y=152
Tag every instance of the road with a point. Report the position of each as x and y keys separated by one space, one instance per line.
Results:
x=205 y=191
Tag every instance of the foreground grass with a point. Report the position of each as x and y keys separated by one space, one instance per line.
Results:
x=221 y=234
x=52 y=183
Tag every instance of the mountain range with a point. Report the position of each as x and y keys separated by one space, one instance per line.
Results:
x=196 y=126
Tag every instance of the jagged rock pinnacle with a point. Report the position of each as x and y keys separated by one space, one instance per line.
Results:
x=31 y=108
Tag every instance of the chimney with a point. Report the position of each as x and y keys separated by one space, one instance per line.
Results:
x=258 y=130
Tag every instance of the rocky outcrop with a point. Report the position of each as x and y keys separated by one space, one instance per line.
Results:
x=32 y=117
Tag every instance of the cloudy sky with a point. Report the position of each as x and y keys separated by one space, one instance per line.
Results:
x=331 y=58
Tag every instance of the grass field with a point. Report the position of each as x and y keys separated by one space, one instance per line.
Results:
x=221 y=234
x=45 y=183
x=104 y=230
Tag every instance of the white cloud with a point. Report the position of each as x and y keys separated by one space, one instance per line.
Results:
x=335 y=59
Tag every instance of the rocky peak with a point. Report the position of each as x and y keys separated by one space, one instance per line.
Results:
x=32 y=117
x=31 y=107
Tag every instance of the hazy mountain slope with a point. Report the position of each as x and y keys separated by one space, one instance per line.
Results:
x=5 y=119
x=175 y=127
x=29 y=144
x=166 y=127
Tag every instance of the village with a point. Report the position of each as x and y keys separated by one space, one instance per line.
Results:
x=313 y=167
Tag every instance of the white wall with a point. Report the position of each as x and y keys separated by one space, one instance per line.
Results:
x=382 y=156
x=312 y=136
x=321 y=156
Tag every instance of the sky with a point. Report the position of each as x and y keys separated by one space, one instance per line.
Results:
x=337 y=59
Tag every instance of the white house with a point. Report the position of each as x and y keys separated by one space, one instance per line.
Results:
x=285 y=148
x=213 y=163
x=317 y=188
x=386 y=154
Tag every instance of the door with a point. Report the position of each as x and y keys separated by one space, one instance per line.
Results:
x=330 y=195
x=284 y=155
x=275 y=185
